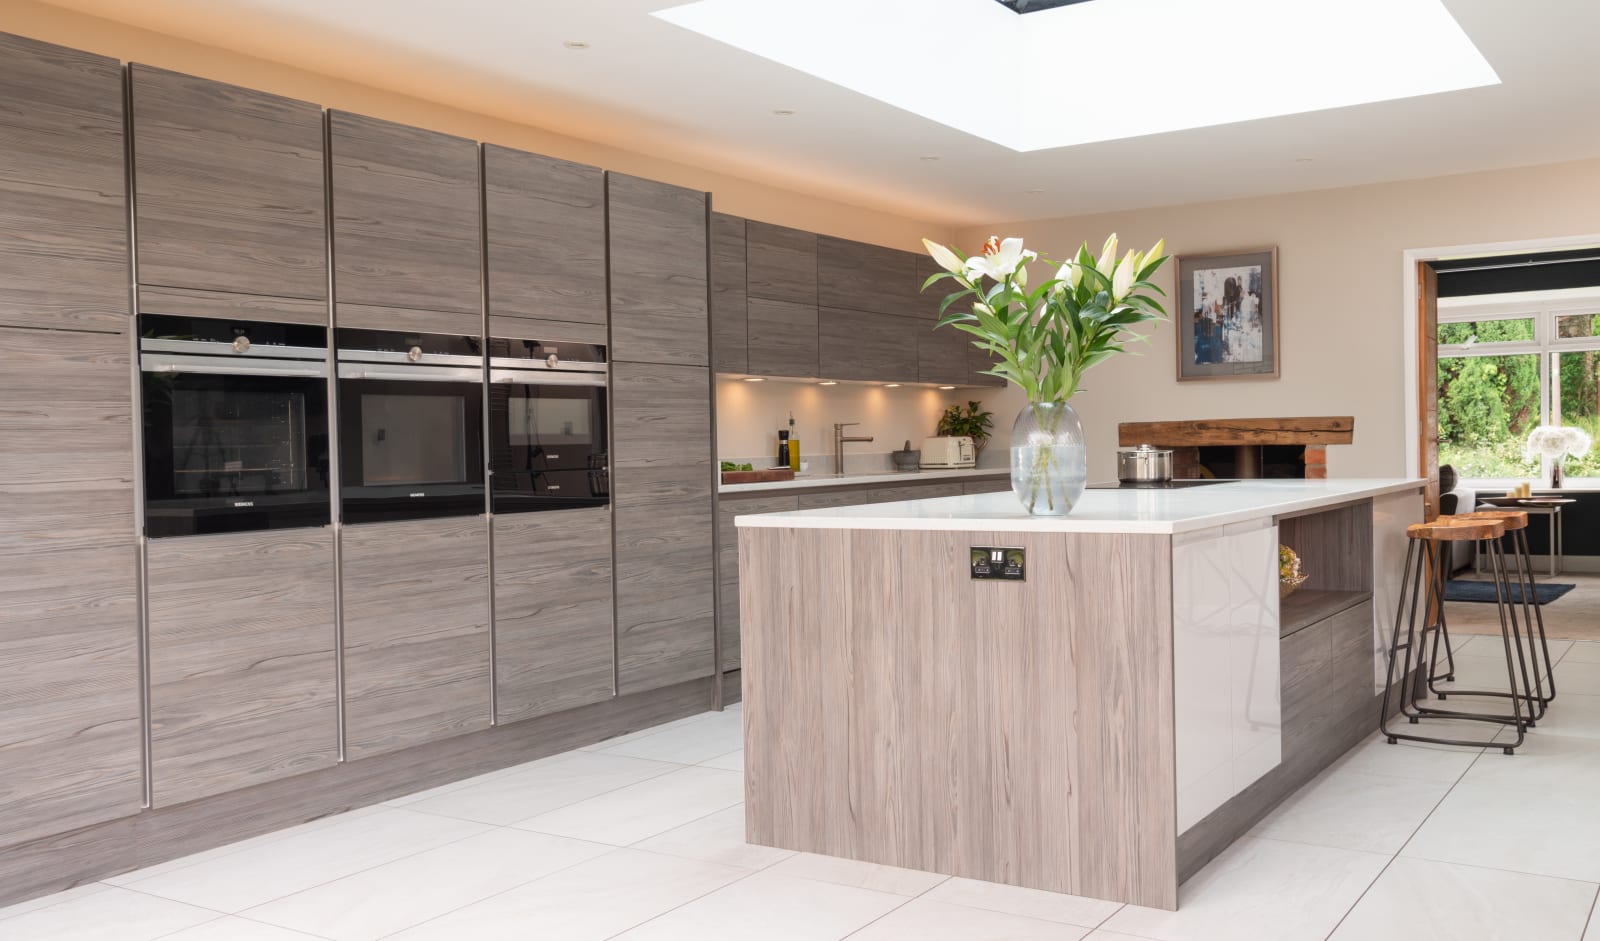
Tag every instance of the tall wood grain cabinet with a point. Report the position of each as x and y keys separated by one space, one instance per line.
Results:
x=406 y=232
x=729 y=298
x=229 y=199
x=69 y=673
x=545 y=228
x=661 y=472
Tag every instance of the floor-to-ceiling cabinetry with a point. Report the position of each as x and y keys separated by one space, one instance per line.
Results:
x=69 y=659
x=662 y=477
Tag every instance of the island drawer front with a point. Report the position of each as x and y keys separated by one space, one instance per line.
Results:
x=861 y=497
x=1000 y=485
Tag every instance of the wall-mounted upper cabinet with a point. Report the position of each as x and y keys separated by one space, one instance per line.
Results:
x=784 y=339
x=229 y=190
x=659 y=258
x=858 y=345
x=858 y=276
x=405 y=219
x=545 y=222
x=941 y=351
x=782 y=263
x=729 y=297
x=63 y=219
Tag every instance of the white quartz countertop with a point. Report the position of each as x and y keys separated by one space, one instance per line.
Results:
x=1100 y=511
x=885 y=478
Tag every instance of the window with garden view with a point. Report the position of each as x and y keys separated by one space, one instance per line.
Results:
x=1506 y=368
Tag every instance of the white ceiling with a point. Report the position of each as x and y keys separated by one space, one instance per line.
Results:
x=648 y=86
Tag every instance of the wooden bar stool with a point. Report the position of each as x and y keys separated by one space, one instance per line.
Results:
x=1424 y=554
x=1543 y=686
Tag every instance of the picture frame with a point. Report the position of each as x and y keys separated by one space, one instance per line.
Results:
x=1227 y=315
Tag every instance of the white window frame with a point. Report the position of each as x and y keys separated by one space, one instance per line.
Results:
x=1544 y=308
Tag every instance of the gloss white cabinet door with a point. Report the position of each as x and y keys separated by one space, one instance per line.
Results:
x=1225 y=659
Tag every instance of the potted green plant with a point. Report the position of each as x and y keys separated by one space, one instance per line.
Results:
x=971 y=422
x=1044 y=339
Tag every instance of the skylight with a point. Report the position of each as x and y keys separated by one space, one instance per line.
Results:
x=1108 y=69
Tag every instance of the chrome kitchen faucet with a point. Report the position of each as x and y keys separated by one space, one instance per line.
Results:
x=839 y=441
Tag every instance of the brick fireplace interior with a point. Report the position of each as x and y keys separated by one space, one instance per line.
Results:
x=1244 y=447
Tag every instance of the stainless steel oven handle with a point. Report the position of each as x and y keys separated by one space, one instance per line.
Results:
x=415 y=374
x=222 y=369
x=528 y=377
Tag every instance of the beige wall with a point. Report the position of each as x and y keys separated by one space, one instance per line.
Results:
x=730 y=194
x=1340 y=295
x=749 y=415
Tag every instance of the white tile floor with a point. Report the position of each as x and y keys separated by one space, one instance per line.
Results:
x=641 y=837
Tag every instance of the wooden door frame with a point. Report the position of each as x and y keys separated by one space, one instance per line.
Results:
x=1413 y=339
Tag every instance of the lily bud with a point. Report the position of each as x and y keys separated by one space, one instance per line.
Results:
x=1108 y=256
x=1123 y=279
x=945 y=258
x=1155 y=253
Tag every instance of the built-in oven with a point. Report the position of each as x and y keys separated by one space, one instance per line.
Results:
x=410 y=425
x=547 y=425
x=235 y=425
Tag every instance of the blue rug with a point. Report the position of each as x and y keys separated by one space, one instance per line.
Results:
x=1461 y=589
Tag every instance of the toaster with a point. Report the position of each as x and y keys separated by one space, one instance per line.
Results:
x=949 y=452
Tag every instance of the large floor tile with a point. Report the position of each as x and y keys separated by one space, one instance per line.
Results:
x=646 y=732
x=235 y=928
x=116 y=914
x=272 y=870
x=712 y=734
x=773 y=908
x=862 y=875
x=1421 y=900
x=926 y=920
x=1443 y=764
x=732 y=761
x=639 y=811
x=588 y=902
x=1104 y=934
x=1493 y=646
x=253 y=843
x=1260 y=889
x=1532 y=812
x=1030 y=903
x=55 y=898
x=1354 y=810
x=715 y=838
x=1578 y=676
x=541 y=786
x=380 y=901
x=1583 y=652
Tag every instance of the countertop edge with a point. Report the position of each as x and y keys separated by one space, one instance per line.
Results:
x=832 y=519
x=887 y=478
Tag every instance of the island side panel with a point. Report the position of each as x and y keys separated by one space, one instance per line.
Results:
x=898 y=712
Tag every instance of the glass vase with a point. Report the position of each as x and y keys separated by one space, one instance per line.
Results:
x=1049 y=464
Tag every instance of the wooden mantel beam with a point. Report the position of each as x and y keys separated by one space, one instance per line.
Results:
x=1339 y=429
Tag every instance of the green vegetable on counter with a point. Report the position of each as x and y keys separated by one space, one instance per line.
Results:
x=730 y=466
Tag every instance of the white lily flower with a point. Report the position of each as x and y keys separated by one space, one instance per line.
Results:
x=1069 y=275
x=1108 y=256
x=1123 y=279
x=945 y=258
x=998 y=261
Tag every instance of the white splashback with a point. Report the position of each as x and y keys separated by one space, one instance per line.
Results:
x=1229 y=718
x=749 y=415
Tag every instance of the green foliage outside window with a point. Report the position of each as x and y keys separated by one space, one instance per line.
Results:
x=1488 y=404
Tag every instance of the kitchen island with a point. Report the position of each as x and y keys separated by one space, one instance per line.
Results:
x=1096 y=704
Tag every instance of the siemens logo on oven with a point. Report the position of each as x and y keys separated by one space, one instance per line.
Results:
x=419 y=494
x=239 y=503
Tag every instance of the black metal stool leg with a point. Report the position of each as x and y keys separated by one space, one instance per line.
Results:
x=1538 y=614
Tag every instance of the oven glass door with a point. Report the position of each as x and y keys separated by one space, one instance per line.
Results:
x=548 y=448
x=410 y=449
x=234 y=452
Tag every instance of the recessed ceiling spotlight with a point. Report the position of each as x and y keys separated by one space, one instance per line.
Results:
x=754 y=379
x=783 y=112
x=827 y=382
x=575 y=44
x=946 y=388
x=1034 y=192
x=930 y=157
x=1304 y=159
x=891 y=385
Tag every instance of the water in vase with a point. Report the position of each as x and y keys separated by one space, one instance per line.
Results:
x=1049 y=479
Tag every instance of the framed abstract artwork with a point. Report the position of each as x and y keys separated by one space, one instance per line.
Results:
x=1227 y=315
